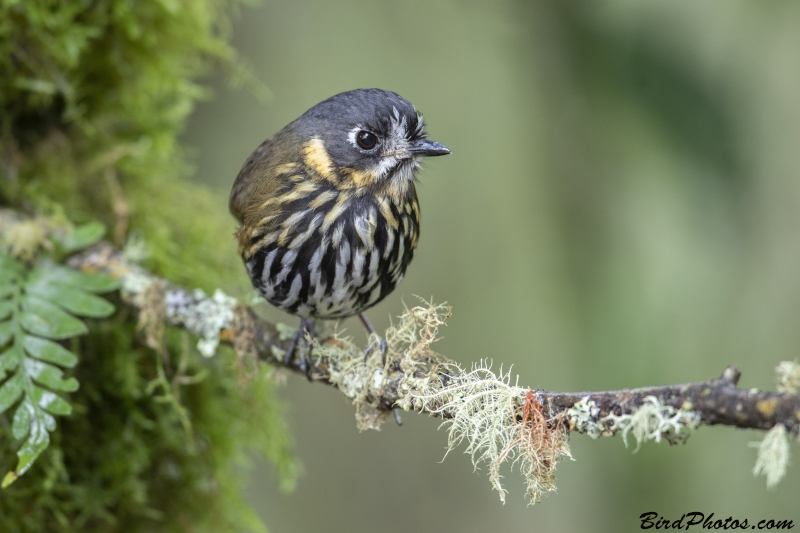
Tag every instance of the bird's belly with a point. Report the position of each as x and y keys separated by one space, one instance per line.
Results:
x=331 y=278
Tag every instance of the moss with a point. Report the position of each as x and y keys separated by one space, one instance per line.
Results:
x=93 y=95
x=125 y=462
x=92 y=98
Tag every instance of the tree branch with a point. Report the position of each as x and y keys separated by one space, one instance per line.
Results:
x=500 y=422
x=716 y=401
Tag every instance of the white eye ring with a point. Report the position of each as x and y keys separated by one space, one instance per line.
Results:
x=356 y=138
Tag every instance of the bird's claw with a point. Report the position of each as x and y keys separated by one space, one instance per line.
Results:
x=299 y=339
x=382 y=343
x=384 y=348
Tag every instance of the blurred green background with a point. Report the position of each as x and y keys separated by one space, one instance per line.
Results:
x=622 y=208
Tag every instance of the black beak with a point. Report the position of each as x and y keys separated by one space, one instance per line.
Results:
x=428 y=148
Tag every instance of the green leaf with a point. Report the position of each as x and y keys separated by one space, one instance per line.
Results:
x=92 y=282
x=51 y=402
x=40 y=317
x=51 y=293
x=10 y=392
x=6 y=332
x=6 y=307
x=21 y=425
x=9 y=360
x=83 y=237
x=38 y=439
x=49 y=376
x=72 y=299
x=49 y=351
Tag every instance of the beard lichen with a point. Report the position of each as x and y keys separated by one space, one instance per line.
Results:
x=362 y=375
x=499 y=422
x=772 y=460
x=787 y=376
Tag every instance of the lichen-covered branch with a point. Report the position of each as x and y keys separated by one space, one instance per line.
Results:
x=219 y=318
x=715 y=401
x=499 y=421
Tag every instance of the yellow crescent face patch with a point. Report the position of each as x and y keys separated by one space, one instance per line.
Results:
x=316 y=157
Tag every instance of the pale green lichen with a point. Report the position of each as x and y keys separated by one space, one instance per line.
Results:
x=362 y=378
x=495 y=419
x=498 y=422
x=651 y=421
x=787 y=377
x=357 y=377
x=205 y=317
x=134 y=285
x=583 y=418
x=772 y=460
x=654 y=421
x=200 y=314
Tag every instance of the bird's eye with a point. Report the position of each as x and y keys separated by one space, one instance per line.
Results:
x=366 y=140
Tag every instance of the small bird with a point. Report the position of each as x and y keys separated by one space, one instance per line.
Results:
x=328 y=209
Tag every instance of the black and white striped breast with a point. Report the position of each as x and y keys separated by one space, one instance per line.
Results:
x=334 y=254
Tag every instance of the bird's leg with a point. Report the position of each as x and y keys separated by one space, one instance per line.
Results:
x=299 y=338
x=384 y=347
x=371 y=331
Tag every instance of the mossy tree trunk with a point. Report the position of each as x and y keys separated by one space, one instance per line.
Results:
x=91 y=102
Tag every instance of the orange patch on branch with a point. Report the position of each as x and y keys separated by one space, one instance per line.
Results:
x=544 y=436
x=541 y=443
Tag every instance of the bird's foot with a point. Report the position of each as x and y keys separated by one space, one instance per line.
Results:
x=384 y=347
x=371 y=348
x=300 y=343
x=382 y=342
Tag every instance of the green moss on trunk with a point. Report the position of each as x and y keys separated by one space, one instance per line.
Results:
x=92 y=97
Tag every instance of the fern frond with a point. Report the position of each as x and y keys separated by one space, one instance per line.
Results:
x=40 y=304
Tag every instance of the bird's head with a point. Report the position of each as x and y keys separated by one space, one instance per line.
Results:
x=366 y=138
x=363 y=141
